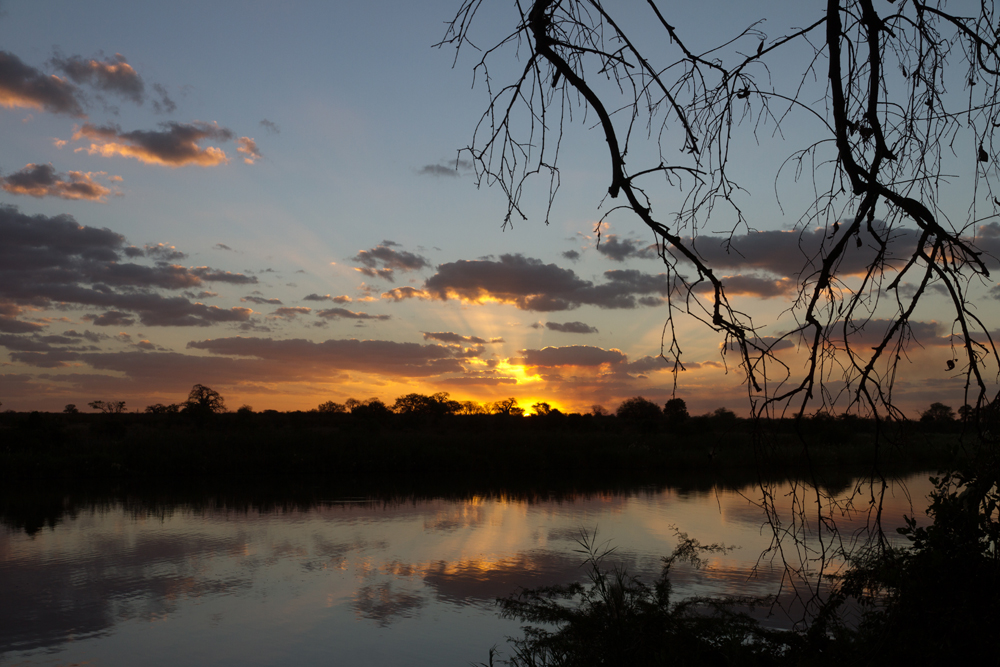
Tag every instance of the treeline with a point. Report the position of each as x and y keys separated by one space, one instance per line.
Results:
x=204 y=404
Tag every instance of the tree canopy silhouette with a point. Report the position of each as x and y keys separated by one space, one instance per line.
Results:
x=888 y=116
x=884 y=104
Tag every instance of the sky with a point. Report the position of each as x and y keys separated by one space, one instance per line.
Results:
x=267 y=199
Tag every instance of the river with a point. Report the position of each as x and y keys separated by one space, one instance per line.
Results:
x=359 y=580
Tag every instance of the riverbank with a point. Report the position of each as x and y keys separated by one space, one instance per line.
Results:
x=133 y=446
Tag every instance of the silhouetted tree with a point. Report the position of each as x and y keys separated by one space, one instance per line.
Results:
x=331 y=407
x=938 y=413
x=437 y=405
x=507 y=406
x=161 y=409
x=71 y=409
x=204 y=401
x=108 y=407
x=675 y=411
x=471 y=408
x=542 y=408
x=638 y=408
x=888 y=99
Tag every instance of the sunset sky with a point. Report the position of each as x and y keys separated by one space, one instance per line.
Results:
x=264 y=198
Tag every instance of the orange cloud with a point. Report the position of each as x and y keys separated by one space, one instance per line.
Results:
x=248 y=147
x=41 y=180
x=177 y=145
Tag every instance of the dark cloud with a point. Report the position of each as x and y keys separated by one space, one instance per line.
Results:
x=291 y=312
x=618 y=249
x=112 y=75
x=164 y=104
x=382 y=261
x=571 y=327
x=750 y=285
x=571 y=255
x=261 y=301
x=343 y=313
x=164 y=252
x=222 y=246
x=16 y=326
x=111 y=318
x=529 y=284
x=327 y=297
x=648 y=363
x=438 y=170
x=176 y=145
x=448 y=337
x=24 y=86
x=372 y=356
x=47 y=260
x=572 y=355
x=271 y=128
x=42 y=180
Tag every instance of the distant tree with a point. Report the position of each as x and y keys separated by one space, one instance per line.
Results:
x=638 y=408
x=542 y=408
x=161 y=409
x=245 y=410
x=599 y=411
x=675 y=411
x=436 y=405
x=370 y=409
x=507 y=406
x=724 y=415
x=331 y=407
x=71 y=409
x=471 y=408
x=108 y=407
x=966 y=413
x=203 y=400
x=937 y=413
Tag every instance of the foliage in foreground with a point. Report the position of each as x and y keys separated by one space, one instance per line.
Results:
x=938 y=599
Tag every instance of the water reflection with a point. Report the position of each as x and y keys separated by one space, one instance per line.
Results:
x=323 y=573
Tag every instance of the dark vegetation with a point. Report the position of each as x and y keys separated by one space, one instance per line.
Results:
x=436 y=435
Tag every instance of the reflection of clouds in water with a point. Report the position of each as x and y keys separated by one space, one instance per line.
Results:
x=380 y=603
x=48 y=599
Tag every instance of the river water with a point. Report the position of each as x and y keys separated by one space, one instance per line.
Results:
x=360 y=580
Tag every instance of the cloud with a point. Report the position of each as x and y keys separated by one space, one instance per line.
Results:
x=113 y=75
x=47 y=260
x=260 y=301
x=529 y=284
x=176 y=145
x=24 y=86
x=438 y=170
x=222 y=246
x=571 y=327
x=403 y=293
x=572 y=355
x=619 y=250
x=382 y=261
x=164 y=252
x=326 y=297
x=41 y=180
x=571 y=255
x=164 y=104
x=248 y=148
x=314 y=359
x=291 y=312
x=270 y=127
x=343 y=313
x=750 y=285
x=111 y=318
x=454 y=338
